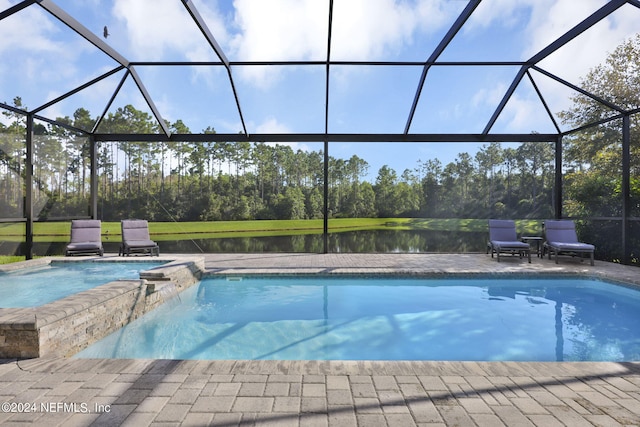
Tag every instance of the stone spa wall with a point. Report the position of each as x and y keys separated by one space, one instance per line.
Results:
x=66 y=326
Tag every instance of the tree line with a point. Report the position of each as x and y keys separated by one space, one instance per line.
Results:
x=241 y=180
x=174 y=181
x=235 y=181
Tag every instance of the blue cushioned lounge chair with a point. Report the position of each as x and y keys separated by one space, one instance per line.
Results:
x=561 y=239
x=135 y=238
x=504 y=239
x=86 y=238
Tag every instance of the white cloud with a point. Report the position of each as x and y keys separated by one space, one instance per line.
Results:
x=280 y=29
x=277 y=30
x=368 y=30
x=588 y=50
x=39 y=57
x=573 y=61
x=271 y=125
x=32 y=46
x=54 y=111
x=162 y=29
x=522 y=115
x=29 y=30
x=523 y=112
x=298 y=30
x=551 y=19
x=540 y=22
x=488 y=97
x=505 y=13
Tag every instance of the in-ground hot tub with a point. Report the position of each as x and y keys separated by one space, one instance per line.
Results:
x=66 y=325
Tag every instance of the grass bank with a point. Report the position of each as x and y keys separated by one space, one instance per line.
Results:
x=59 y=231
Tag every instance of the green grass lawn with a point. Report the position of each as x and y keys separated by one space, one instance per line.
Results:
x=59 y=231
x=7 y=259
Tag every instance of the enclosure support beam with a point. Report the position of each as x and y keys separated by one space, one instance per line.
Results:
x=201 y=24
x=325 y=208
x=15 y=8
x=626 y=188
x=558 y=179
x=331 y=137
x=455 y=28
x=325 y=171
x=93 y=182
x=28 y=192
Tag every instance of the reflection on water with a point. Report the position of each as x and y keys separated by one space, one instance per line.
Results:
x=408 y=241
x=381 y=241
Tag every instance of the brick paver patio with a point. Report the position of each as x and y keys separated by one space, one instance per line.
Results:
x=79 y=392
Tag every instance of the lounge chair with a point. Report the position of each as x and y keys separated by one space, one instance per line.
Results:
x=85 y=238
x=135 y=238
x=561 y=238
x=504 y=239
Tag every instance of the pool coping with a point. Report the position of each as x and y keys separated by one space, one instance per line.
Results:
x=425 y=265
x=619 y=280
x=431 y=275
x=68 y=325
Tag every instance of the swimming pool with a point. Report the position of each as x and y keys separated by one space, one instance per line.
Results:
x=388 y=318
x=32 y=287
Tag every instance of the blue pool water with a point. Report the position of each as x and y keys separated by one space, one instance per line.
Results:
x=33 y=287
x=320 y=318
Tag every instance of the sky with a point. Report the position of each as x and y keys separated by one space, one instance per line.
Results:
x=41 y=59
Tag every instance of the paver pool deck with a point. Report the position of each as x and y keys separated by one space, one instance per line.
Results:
x=80 y=392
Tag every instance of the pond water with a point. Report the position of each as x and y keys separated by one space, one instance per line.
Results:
x=381 y=241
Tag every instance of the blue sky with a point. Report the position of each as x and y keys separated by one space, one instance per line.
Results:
x=41 y=59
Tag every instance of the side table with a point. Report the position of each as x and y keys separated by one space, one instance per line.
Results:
x=531 y=239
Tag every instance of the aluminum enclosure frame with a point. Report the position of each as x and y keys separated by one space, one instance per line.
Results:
x=432 y=61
